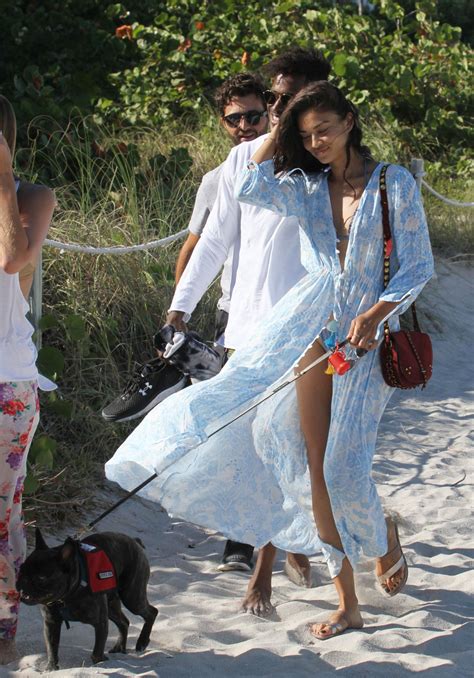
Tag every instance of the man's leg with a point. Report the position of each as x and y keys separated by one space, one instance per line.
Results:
x=222 y=318
x=237 y=556
x=259 y=589
x=298 y=570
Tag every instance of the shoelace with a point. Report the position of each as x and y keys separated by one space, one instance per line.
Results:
x=141 y=372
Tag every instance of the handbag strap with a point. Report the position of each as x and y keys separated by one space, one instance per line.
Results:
x=388 y=247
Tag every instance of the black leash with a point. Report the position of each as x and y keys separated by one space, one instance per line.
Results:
x=130 y=494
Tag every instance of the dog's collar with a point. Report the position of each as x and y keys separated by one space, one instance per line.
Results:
x=64 y=610
x=81 y=562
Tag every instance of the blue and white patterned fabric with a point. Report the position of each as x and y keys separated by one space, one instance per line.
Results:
x=250 y=481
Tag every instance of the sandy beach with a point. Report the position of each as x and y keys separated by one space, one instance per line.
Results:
x=423 y=467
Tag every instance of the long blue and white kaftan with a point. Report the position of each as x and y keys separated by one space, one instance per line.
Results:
x=250 y=481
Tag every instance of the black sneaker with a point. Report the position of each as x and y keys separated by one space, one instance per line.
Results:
x=236 y=556
x=153 y=382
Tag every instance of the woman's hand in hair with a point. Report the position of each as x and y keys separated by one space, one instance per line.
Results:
x=266 y=150
x=273 y=134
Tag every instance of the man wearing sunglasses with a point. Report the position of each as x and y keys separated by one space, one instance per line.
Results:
x=244 y=116
x=267 y=266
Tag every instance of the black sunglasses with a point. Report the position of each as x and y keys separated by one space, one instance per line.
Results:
x=271 y=97
x=250 y=117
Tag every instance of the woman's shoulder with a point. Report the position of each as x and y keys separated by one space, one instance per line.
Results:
x=35 y=195
x=311 y=179
x=29 y=188
x=398 y=173
x=400 y=181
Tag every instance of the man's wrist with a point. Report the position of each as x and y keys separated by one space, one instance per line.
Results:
x=181 y=315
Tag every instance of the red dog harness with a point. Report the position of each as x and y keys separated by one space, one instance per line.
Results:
x=97 y=570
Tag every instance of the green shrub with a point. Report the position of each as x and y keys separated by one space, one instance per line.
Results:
x=133 y=63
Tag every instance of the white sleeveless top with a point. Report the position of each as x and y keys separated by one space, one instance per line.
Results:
x=17 y=350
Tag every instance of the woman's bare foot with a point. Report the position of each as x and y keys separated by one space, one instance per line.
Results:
x=340 y=621
x=298 y=569
x=8 y=651
x=258 y=596
x=392 y=583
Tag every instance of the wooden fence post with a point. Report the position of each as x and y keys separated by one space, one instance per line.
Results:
x=36 y=299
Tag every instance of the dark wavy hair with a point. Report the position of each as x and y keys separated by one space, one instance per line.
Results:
x=307 y=62
x=240 y=85
x=320 y=96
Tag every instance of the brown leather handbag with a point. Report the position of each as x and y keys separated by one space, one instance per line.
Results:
x=406 y=356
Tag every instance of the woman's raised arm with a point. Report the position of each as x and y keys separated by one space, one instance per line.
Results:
x=267 y=149
x=24 y=217
x=286 y=194
x=13 y=238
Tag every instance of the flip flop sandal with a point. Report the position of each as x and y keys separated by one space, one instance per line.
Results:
x=401 y=562
x=297 y=577
x=336 y=628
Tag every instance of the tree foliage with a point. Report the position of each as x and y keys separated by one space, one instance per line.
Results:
x=150 y=61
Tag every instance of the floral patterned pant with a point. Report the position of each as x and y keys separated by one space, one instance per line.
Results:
x=19 y=415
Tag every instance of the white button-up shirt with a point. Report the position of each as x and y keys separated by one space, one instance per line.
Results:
x=266 y=263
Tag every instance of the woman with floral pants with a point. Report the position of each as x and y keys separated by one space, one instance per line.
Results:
x=25 y=214
x=19 y=415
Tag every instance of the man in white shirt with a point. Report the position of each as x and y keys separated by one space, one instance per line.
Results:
x=243 y=115
x=266 y=265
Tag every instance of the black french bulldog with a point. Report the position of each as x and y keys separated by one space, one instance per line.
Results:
x=53 y=578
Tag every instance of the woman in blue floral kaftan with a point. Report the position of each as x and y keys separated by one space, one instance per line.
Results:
x=305 y=455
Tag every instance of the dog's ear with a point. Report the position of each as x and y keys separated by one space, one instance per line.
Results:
x=67 y=550
x=40 y=543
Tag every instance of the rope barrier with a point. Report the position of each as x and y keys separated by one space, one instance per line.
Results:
x=416 y=169
x=89 y=249
x=455 y=203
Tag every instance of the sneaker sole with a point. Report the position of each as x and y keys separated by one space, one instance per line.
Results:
x=161 y=396
x=239 y=567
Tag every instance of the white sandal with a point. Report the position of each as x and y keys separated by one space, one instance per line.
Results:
x=401 y=562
